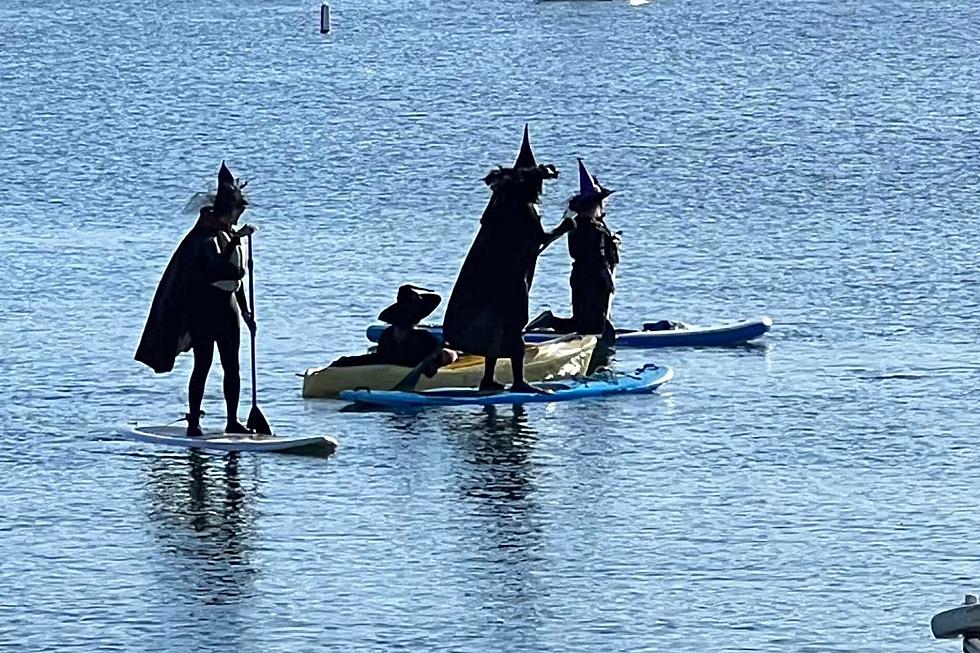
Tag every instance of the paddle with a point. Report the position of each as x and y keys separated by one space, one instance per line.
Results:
x=256 y=420
x=412 y=378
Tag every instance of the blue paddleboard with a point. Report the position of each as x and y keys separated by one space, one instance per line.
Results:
x=721 y=335
x=644 y=381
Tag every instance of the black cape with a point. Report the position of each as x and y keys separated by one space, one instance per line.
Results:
x=167 y=330
x=488 y=308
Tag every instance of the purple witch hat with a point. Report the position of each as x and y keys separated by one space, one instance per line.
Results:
x=589 y=188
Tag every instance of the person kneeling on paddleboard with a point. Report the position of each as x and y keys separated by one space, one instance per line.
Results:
x=595 y=253
x=488 y=308
x=404 y=344
x=198 y=302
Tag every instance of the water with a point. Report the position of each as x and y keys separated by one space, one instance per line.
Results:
x=812 y=161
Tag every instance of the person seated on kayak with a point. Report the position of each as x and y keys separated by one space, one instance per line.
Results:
x=595 y=253
x=488 y=308
x=403 y=343
x=199 y=300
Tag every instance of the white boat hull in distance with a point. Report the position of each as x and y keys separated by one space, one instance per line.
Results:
x=961 y=621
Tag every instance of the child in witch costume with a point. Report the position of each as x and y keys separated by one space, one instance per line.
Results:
x=488 y=308
x=404 y=344
x=595 y=253
x=199 y=300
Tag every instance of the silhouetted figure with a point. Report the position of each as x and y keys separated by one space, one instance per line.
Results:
x=403 y=343
x=199 y=301
x=595 y=253
x=488 y=308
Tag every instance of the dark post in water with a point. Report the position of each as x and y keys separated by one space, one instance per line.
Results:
x=324 y=18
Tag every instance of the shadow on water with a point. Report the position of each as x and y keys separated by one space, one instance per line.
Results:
x=369 y=408
x=202 y=518
x=751 y=347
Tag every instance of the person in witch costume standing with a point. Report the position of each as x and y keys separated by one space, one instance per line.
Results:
x=199 y=301
x=595 y=254
x=488 y=308
x=403 y=343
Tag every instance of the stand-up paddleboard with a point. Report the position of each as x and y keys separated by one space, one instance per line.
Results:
x=176 y=436
x=644 y=381
x=650 y=337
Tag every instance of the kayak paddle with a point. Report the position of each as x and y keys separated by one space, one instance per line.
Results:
x=412 y=378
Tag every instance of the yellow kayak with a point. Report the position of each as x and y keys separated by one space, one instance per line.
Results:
x=554 y=359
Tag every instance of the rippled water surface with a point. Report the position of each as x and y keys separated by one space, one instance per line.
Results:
x=811 y=161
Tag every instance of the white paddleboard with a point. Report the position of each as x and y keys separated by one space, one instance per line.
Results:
x=176 y=436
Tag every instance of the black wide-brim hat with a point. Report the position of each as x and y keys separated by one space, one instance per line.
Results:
x=411 y=306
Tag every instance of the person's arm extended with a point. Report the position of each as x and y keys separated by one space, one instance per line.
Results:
x=563 y=228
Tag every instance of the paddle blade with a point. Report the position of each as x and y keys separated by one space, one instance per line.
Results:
x=428 y=365
x=411 y=379
x=257 y=422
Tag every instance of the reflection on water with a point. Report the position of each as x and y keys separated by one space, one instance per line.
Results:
x=202 y=517
x=495 y=474
x=497 y=450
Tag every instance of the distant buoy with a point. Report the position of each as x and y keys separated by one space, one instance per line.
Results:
x=324 y=18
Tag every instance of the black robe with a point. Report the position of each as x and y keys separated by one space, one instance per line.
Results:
x=488 y=308
x=177 y=302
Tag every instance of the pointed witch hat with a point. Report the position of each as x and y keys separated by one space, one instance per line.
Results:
x=225 y=176
x=589 y=188
x=229 y=193
x=525 y=159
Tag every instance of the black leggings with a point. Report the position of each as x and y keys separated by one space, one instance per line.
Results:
x=217 y=325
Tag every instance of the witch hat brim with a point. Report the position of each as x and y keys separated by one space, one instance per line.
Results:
x=407 y=313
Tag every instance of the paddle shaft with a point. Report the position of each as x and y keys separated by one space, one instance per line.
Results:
x=256 y=420
x=251 y=307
